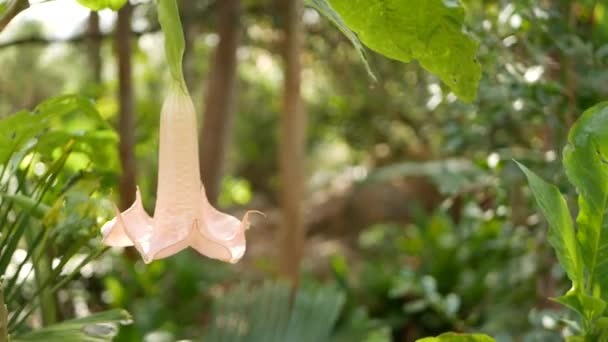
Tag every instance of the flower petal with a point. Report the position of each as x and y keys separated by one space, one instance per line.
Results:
x=219 y=229
x=160 y=249
x=212 y=249
x=127 y=226
x=170 y=234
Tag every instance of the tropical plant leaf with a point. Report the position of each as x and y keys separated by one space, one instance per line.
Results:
x=587 y=306
x=93 y=328
x=430 y=31
x=572 y=301
x=323 y=7
x=561 y=230
x=585 y=159
x=97 y=5
x=455 y=337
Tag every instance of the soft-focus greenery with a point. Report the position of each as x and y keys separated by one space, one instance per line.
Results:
x=478 y=258
x=50 y=199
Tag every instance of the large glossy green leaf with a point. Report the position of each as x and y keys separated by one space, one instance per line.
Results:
x=93 y=328
x=585 y=159
x=97 y=5
x=561 y=230
x=455 y=337
x=430 y=31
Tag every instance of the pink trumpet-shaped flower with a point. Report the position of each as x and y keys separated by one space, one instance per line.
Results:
x=183 y=216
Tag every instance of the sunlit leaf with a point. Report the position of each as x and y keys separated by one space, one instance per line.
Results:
x=587 y=306
x=18 y=129
x=585 y=159
x=561 y=230
x=429 y=31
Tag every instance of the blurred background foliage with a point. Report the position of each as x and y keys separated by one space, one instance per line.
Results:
x=417 y=221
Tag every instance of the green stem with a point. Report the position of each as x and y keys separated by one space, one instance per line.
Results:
x=3 y=315
x=171 y=25
x=42 y=271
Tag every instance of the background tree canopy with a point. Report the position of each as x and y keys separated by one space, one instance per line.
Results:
x=377 y=137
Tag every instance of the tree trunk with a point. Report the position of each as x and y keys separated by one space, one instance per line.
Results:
x=220 y=98
x=126 y=122
x=94 y=46
x=292 y=145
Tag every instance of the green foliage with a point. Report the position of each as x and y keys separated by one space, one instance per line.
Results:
x=454 y=337
x=18 y=129
x=97 y=5
x=584 y=163
x=437 y=275
x=48 y=209
x=561 y=233
x=428 y=31
x=170 y=296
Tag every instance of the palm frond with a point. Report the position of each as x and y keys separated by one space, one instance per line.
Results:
x=268 y=314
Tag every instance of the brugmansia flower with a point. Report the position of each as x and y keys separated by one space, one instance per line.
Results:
x=183 y=216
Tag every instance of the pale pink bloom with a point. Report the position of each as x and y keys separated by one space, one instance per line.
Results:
x=183 y=216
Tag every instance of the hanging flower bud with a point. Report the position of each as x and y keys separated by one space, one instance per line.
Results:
x=183 y=216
